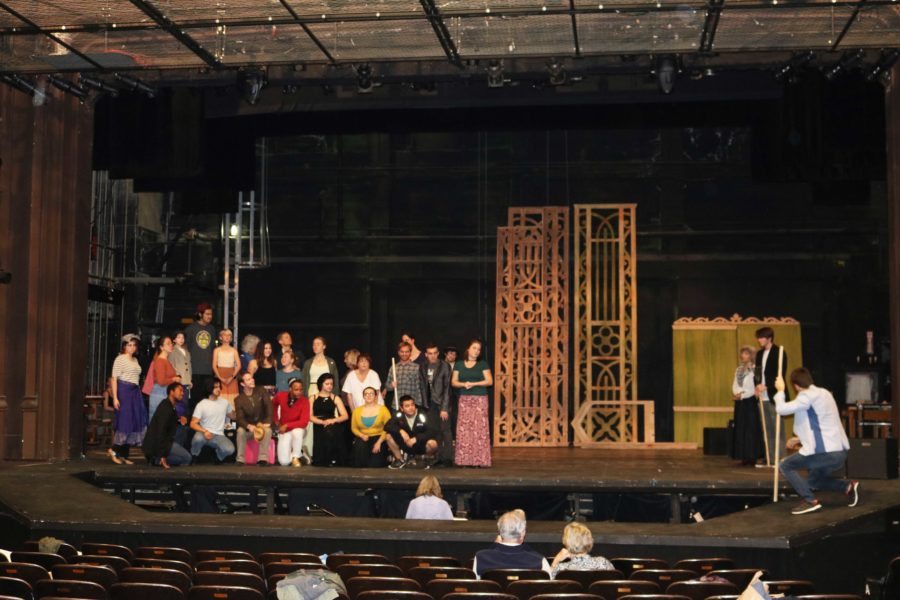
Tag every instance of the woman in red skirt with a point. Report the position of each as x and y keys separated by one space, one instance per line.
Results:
x=472 y=377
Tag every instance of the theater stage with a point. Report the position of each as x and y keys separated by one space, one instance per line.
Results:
x=83 y=501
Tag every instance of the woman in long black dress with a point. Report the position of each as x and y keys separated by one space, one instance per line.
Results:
x=329 y=418
x=748 y=442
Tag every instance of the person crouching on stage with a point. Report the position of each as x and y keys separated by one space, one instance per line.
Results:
x=252 y=409
x=821 y=438
x=367 y=425
x=748 y=439
x=291 y=419
x=160 y=446
x=412 y=432
x=208 y=423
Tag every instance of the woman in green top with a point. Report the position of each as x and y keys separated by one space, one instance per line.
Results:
x=472 y=377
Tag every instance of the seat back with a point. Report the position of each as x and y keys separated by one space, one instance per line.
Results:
x=790 y=587
x=144 y=591
x=67 y=588
x=425 y=574
x=348 y=571
x=159 y=563
x=630 y=565
x=288 y=557
x=654 y=597
x=230 y=566
x=616 y=588
x=221 y=579
x=28 y=572
x=358 y=585
x=829 y=597
x=335 y=560
x=217 y=592
x=700 y=590
x=586 y=578
x=438 y=588
x=663 y=577
x=15 y=587
x=67 y=551
x=479 y=596
x=567 y=596
x=43 y=559
x=170 y=577
x=702 y=566
x=410 y=562
x=99 y=574
x=524 y=590
x=116 y=563
x=393 y=595
x=107 y=550
x=739 y=577
x=203 y=555
x=282 y=568
x=164 y=553
x=506 y=576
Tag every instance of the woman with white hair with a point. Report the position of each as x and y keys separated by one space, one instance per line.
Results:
x=575 y=554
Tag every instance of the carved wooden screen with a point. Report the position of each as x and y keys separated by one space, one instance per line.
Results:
x=532 y=329
x=606 y=405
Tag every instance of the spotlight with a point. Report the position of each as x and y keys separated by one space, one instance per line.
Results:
x=495 y=77
x=135 y=85
x=34 y=89
x=251 y=84
x=847 y=63
x=666 y=73
x=788 y=71
x=68 y=87
x=98 y=85
x=882 y=69
x=557 y=72
x=364 y=83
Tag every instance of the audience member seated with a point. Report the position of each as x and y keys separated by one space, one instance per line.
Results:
x=367 y=425
x=509 y=550
x=253 y=410
x=160 y=446
x=208 y=424
x=414 y=432
x=429 y=503
x=575 y=555
x=291 y=418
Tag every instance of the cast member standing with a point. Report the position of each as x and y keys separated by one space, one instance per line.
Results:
x=285 y=342
x=472 y=377
x=263 y=367
x=748 y=439
x=359 y=379
x=200 y=337
x=437 y=376
x=249 y=345
x=130 y=419
x=407 y=380
x=163 y=373
x=181 y=361
x=765 y=374
x=227 y=365
x=350 y=358
x=253 y=410
x=314 y=368
x=288 y=371
x=291 y=419
x=415 y=354
x=329 y=419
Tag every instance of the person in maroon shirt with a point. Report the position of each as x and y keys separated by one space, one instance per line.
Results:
x=291 y=419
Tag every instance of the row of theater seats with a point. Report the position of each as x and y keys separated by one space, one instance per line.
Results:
x=105 y=571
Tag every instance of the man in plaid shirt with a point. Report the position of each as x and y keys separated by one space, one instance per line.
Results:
x=409 y=379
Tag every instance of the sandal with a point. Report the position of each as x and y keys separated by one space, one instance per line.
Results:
x=112 y=455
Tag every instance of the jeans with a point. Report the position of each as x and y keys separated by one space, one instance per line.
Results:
x=178 y=456
x=157 y=395
x=221 y=444
x=820 y=467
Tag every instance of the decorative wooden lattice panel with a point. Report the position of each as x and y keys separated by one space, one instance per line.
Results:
x=532 y=333
x=606 y=405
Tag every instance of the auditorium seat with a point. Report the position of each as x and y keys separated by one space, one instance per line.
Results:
x=161 y=563
x=663 y=577
x=171 y=577
x=654 y=597
x=144 y=591
x=348 y=571
x=18 y=588
x=409 y=562
x=425 y=574
x=164 y=553
x=107 y=550
x=358 y=585
x=568 y=596
x=116 y=563
x=523 y=590
x=614 y=589
x=231 y=566
x=335 y=560
x=281 y=568
x=586 y=578
x=28 y=572
x=700 y=590
x=288 y=557
x=506 y=576
x=702 y=566
x=790 y=587
x=204 y=555
x=393 y=595
x=67 y=551
x=739 y=577
x=99 y=574
x=828 y=597
x=438 y=588
x=723 y=597
x=67 y=588
x=219 y=579
x=480 y=596
x=216 y=592
x=630 y=565
x=43 y=559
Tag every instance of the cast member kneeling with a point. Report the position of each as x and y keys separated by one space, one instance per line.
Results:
x=412 y=432
x=253 y=413
x=208 y=423
x=291 y=419
x=160 y=446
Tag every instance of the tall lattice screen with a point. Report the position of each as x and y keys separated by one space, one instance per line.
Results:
x=606 y=406
x=532 y=332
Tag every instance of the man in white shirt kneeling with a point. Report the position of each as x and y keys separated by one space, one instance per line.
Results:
x=208 y=423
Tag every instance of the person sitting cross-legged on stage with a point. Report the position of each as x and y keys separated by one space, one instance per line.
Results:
x=208 y=423
x=821 y=438
x=160 y=446
x=413 y=432
x=509 y=550
x=291 y=419
x=252 y=411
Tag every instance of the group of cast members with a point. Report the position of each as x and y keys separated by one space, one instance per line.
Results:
x=272 y=395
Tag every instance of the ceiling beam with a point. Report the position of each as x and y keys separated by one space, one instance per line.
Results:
x=308 y=31
x=433 y=14
x=176 y=32
x=710 y=25
x=847 y=25
x=53 y=37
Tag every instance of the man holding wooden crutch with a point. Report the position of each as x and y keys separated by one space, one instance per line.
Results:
x=821 y=439
x=768 y=361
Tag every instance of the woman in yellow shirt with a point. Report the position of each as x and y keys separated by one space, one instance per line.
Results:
x=367 y=423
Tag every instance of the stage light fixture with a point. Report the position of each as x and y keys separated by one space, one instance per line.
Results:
x=495 y=76
x=557 y=72
x=845 y=64
x=32 y=88
x=98 y=85
x=135 y=85
x=788 y=71
x=881 y=71
x=251 y=84
x=666 y=73
x=68 y=87
x=364 y=83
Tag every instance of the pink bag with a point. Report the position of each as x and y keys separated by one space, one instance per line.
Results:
x=149 y=380
x=251 y=452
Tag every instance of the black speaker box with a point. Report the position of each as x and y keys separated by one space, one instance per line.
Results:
x=715 y=440
x=872 y=459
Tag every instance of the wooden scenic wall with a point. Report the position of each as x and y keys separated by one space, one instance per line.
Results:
x=607 y=410
x=531 y=366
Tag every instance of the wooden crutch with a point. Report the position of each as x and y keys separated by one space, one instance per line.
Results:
x=777 y=430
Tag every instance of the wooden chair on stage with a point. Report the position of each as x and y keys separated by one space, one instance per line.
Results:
x=630 y=565
x=506 y=576
x=15 y=587
x=64 y=588
x=43 y=559
x=700 y=590
x=161 y=563
x=358 y=585
x=349 y=571
x=144 y=591
x=282 y=568
x=393 y=595
x=739 y=577
x=614 y=589
x=204 y=555
x=164 y=553
x=116 y=563
x=479 y=596
x=702 y=566
x=67 y=551
x=586 y=578
x=171 y=577
x=425 y=574
x=438 y=588
x=28 y=572
x=217 y=592
x=410 y=562
x=220 y=579
x=99 y=574
x=230 y=566
x=107 y=550
x=288 y=557
x=568 y=596
x=791 y=587
x=663 y=577
x=524 y=590
x=336 y=560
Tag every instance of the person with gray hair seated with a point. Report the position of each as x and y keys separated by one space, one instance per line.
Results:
x=509 y=550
